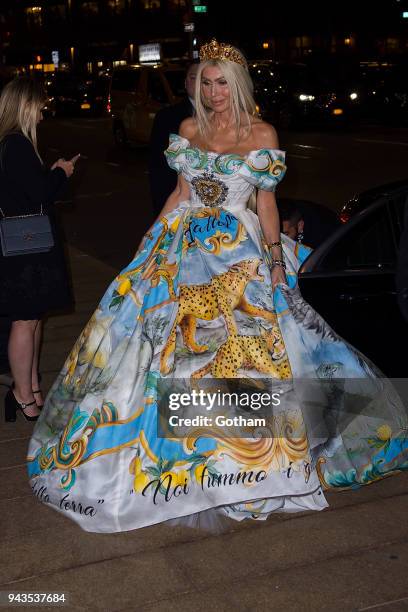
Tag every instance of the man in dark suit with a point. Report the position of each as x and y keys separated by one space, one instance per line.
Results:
x=307 y=222
x=163 y=179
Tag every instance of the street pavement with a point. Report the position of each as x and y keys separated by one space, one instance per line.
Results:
x=350 y=557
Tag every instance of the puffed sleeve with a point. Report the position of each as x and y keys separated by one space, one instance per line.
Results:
x=264 y=168
x=176 y=152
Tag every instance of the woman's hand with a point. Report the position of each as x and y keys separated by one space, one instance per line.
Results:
x=67 y=166
x=278 y=276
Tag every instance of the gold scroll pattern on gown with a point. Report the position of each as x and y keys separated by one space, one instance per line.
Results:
x=220 y=240
x=285 y=446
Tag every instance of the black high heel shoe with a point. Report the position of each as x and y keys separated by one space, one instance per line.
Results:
x=42 y=405
x=36 y=391
x=12 y=405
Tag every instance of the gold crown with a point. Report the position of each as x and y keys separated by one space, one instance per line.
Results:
x=220 y=51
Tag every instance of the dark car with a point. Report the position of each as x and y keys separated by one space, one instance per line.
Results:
x=78 y=94
x=350 y=281
x=293 y=94
x=362 y=200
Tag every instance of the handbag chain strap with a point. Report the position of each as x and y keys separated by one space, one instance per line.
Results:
x=22 y=216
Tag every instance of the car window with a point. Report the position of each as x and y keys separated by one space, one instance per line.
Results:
x=156 y=89
x=368 y=244
x=125 y=80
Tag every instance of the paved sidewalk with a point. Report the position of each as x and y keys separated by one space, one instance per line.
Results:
x=353 y=556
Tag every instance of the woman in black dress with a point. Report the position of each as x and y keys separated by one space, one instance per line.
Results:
x=32 y=284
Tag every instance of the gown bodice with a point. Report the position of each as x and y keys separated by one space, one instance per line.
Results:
x=225 y=179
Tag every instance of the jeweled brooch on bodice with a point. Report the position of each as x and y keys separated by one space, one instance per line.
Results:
x=210 y=190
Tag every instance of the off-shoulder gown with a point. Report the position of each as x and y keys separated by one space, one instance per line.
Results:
x=196 y=304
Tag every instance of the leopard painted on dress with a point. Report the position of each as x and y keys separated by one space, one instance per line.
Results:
x=265 y=353
x=220 y=297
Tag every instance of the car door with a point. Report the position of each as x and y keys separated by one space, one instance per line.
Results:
x=350 y=281
x=125 y=97
x=156 y=97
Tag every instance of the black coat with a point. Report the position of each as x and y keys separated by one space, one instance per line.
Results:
x=162 y=178
x=31 y=285
x=402 y=269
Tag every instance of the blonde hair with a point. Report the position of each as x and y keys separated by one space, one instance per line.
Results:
x=20 y=105
x=242 y=102
x=241 y=96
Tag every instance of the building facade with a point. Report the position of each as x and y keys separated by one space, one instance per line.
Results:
x=99 y=32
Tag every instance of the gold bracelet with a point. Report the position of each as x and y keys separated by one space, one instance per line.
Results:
x=278 y=262
x=273 y=244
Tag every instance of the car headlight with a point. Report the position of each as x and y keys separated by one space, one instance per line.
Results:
x=353 y=96
x=306 y=98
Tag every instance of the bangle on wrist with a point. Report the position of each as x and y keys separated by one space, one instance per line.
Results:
x=272 y=245
x=278 y=262
x=268 y=258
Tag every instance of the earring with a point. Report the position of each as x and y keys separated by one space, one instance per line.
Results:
x=300 y=237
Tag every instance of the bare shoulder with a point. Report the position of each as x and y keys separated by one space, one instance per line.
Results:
x=265 y=135
x=188 y=128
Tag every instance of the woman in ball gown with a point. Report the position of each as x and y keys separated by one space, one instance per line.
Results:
x=212 y=294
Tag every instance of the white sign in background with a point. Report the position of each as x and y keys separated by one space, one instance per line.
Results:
x=149 y=53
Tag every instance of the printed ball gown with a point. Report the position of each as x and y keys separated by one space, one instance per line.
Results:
x=196 y=304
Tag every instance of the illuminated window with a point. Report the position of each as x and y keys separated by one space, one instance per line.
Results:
x=303 y=41
x=57 y=11
x=392 y=44
x=176 y=5
x=151 y=5
x=116 y=6
x=34 y=15
x=90 y=8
